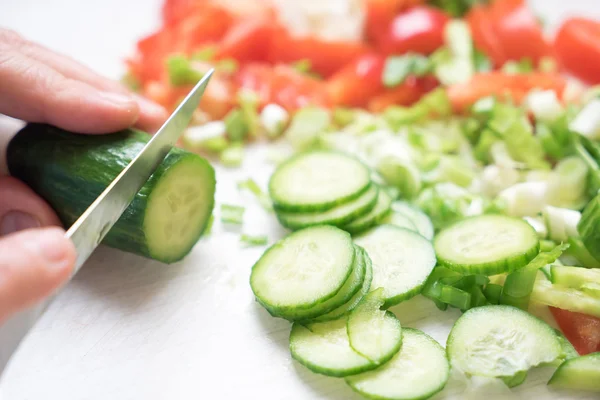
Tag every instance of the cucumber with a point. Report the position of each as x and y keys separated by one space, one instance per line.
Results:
x=580 y=373
x=400 y=220
x=545 y=292
x=487 y=244
x=318 y=181
x=500 y=341
x=370 y=219
x=165 y=219
x=370 y=329
x=344 y=309
x=338 y=216
x=324 y=348
x=351 y=287
x=421 y=220
x=418 y=371
x=573 y=277
x=402 y=261
x=303 y=270
x=568 y=351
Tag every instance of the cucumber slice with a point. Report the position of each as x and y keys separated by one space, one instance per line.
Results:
x=418 y=371
x=370 y=329
x=351 y=287
x=324 y=348
x=318 y=181
x=370 y=219
x=401 y=221
x=344 y=309
x=545 y=292
x=581 y=373
x=421 y=220
x=573 y=277
x=568 y=351
x=165 y=219
x=303 y=270
x=500 y=341
x=487 y=244
x=402 y=261
x=338 y=216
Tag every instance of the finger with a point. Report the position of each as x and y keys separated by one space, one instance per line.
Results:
x=33 y=264
x=21 y=208
x=151 y=115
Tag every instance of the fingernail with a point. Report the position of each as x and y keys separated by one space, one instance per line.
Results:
x=149 y=107
x=51 y=247
x=120 y=99
x=15 y=221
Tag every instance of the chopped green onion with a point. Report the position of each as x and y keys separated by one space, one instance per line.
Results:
x=400 y=174
x=481 y=61
x=209 y=137
x=236 y=125
x=567 y=183
x=181 y=72
x=592 y=289
x=547 y=65
x=303 y=66
x=561 y=222
x=232 y=214
x=398 y=116
x=515 y=380
x=578 y=250
x=587 y=122
x=493 y=292
x=539 y=226
x=248 y=101
x=495 y=179
x=343 y=117
x=232 y=156
x=478 y=299
x=547 y=245
x=455 y=297
x=549 y=142
x=205 y=54
x=274 y=119
x=524 y=199
x=253 y=187
x=307 y=126
x=228 y=65
x=519 y=284
x=484 y=106
x=451 y=169
x=398 y=68
x=250 y=240
x=544 y=105
x=523 y=66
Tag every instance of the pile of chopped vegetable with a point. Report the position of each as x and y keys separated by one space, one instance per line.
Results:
x=445 y=154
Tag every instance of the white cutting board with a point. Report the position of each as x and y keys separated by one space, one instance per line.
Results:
x=129 y=328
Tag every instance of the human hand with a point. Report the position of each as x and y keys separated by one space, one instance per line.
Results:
x=37 y=85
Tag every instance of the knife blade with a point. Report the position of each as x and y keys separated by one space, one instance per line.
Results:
x=91 y=227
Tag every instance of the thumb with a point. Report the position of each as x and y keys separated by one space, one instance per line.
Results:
x=33 y=264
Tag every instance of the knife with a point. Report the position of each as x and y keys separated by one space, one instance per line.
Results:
x=91 y=227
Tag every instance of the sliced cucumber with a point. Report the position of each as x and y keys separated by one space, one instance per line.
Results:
x=487 y=244
x=366 y=221
x=338 y=216
x=344 y=309
x=370 y=328
x=317 y=181
x=351 y=287
x=400 y=220
x=418 y=218
x=500 y=341
x=303 y=270
x=166 y=217
x=545 y=292
x=418 y=371
x=568 y=351
x=581 y=373
x=402 y=261
x=573 y=277
x=324 y=348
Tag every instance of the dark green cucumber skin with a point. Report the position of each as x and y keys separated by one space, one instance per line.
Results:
x=589 y=227
x=70 y=171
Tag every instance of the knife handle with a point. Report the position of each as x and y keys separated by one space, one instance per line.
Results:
x=13 y=330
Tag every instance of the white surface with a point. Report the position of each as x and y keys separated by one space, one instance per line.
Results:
x=128 y=328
